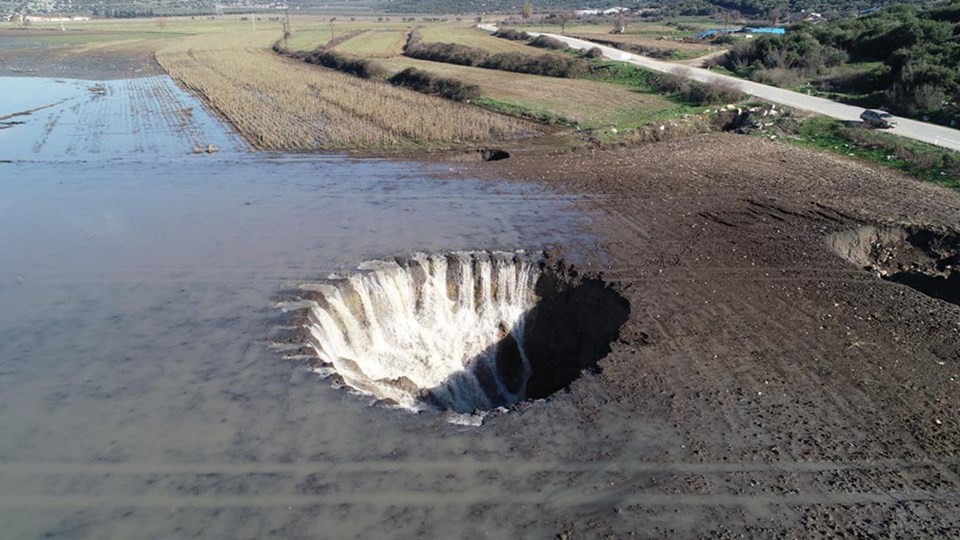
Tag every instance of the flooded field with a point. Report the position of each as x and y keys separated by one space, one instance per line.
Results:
x=66 y=119
x=139 y=393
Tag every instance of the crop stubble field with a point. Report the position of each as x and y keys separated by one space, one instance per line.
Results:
x=280 y=104
x=381 y=43
x=277 y=104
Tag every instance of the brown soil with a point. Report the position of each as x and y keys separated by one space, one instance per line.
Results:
x=764 y=384
x=21 y=56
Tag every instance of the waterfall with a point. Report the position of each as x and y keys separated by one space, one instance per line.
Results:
x=431 y=332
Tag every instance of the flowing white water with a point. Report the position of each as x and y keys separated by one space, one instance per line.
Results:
x=426 y=333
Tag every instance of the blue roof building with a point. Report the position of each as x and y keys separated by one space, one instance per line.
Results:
x=766 y=30
x=713 y=32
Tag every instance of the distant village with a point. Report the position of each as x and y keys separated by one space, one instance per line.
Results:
x=23 y=19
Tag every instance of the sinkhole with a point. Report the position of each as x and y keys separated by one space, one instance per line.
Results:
x=924 y=259
x=464 y=332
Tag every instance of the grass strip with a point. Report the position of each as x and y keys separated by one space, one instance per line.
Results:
x=919 y=160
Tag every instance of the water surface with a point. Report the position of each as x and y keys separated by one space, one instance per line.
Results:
x=138 y=395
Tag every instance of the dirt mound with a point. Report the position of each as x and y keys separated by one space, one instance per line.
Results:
x=924 y=259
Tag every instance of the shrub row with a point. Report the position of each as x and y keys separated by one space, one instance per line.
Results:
x=341 y=39
x=428 y=83
x=696 y=93
x=546 y=42
x=593 y=53
x=347 y=64
x=550 y=65
x=450 y=53
x=512 y=34
x=645 y=50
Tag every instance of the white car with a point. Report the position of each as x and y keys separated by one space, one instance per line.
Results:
x=878 y=119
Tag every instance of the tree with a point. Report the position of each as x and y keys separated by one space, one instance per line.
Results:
x=527 y=10
x=774 y=15
x=620 y=21
x=563 y=18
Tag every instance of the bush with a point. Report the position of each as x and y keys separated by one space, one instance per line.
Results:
x=782 y=77
x=645 y=50
x=450 y=53
x=428 y=83
x=724 y=39
x=856 y=82
x=696 y=93
x=550 y=65
x=593 y=52
x=916 y=100
x=713 y=93
x=347 y=64
x=513 y=35
x=670 y=83
x=545 y=42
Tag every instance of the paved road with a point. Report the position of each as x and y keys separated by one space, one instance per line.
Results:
x=912 y=129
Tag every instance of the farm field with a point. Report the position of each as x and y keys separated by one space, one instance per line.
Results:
x=473 y=37
x=78 y=120
x=310 y=108
x=79 y=55
x=597 y=105
x=185 y=48
x=378 y=43
x=679 y=50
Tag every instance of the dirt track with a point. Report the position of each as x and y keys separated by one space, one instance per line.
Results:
x=763 y=384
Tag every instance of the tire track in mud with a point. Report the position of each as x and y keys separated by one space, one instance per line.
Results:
x=75 y=137
x=768 y=358
x=143 y=117
x=179 y=124
x=52 y=119
x=756 y=504
x=139 y=122
x=752 y=486
x=99 y=104
x=443 y=466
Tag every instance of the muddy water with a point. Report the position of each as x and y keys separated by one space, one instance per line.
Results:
x=73 y=120
x=138 y=395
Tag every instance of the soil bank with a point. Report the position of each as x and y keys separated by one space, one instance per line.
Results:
x=763 y=385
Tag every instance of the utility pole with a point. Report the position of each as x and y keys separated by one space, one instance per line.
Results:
x=62 y=28
x=621 y=27
x=254 y=19
x=286 y=28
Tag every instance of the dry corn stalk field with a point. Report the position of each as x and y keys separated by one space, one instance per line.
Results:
x=280 y=104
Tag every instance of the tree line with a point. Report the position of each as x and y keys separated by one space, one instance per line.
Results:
x=915 y=56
